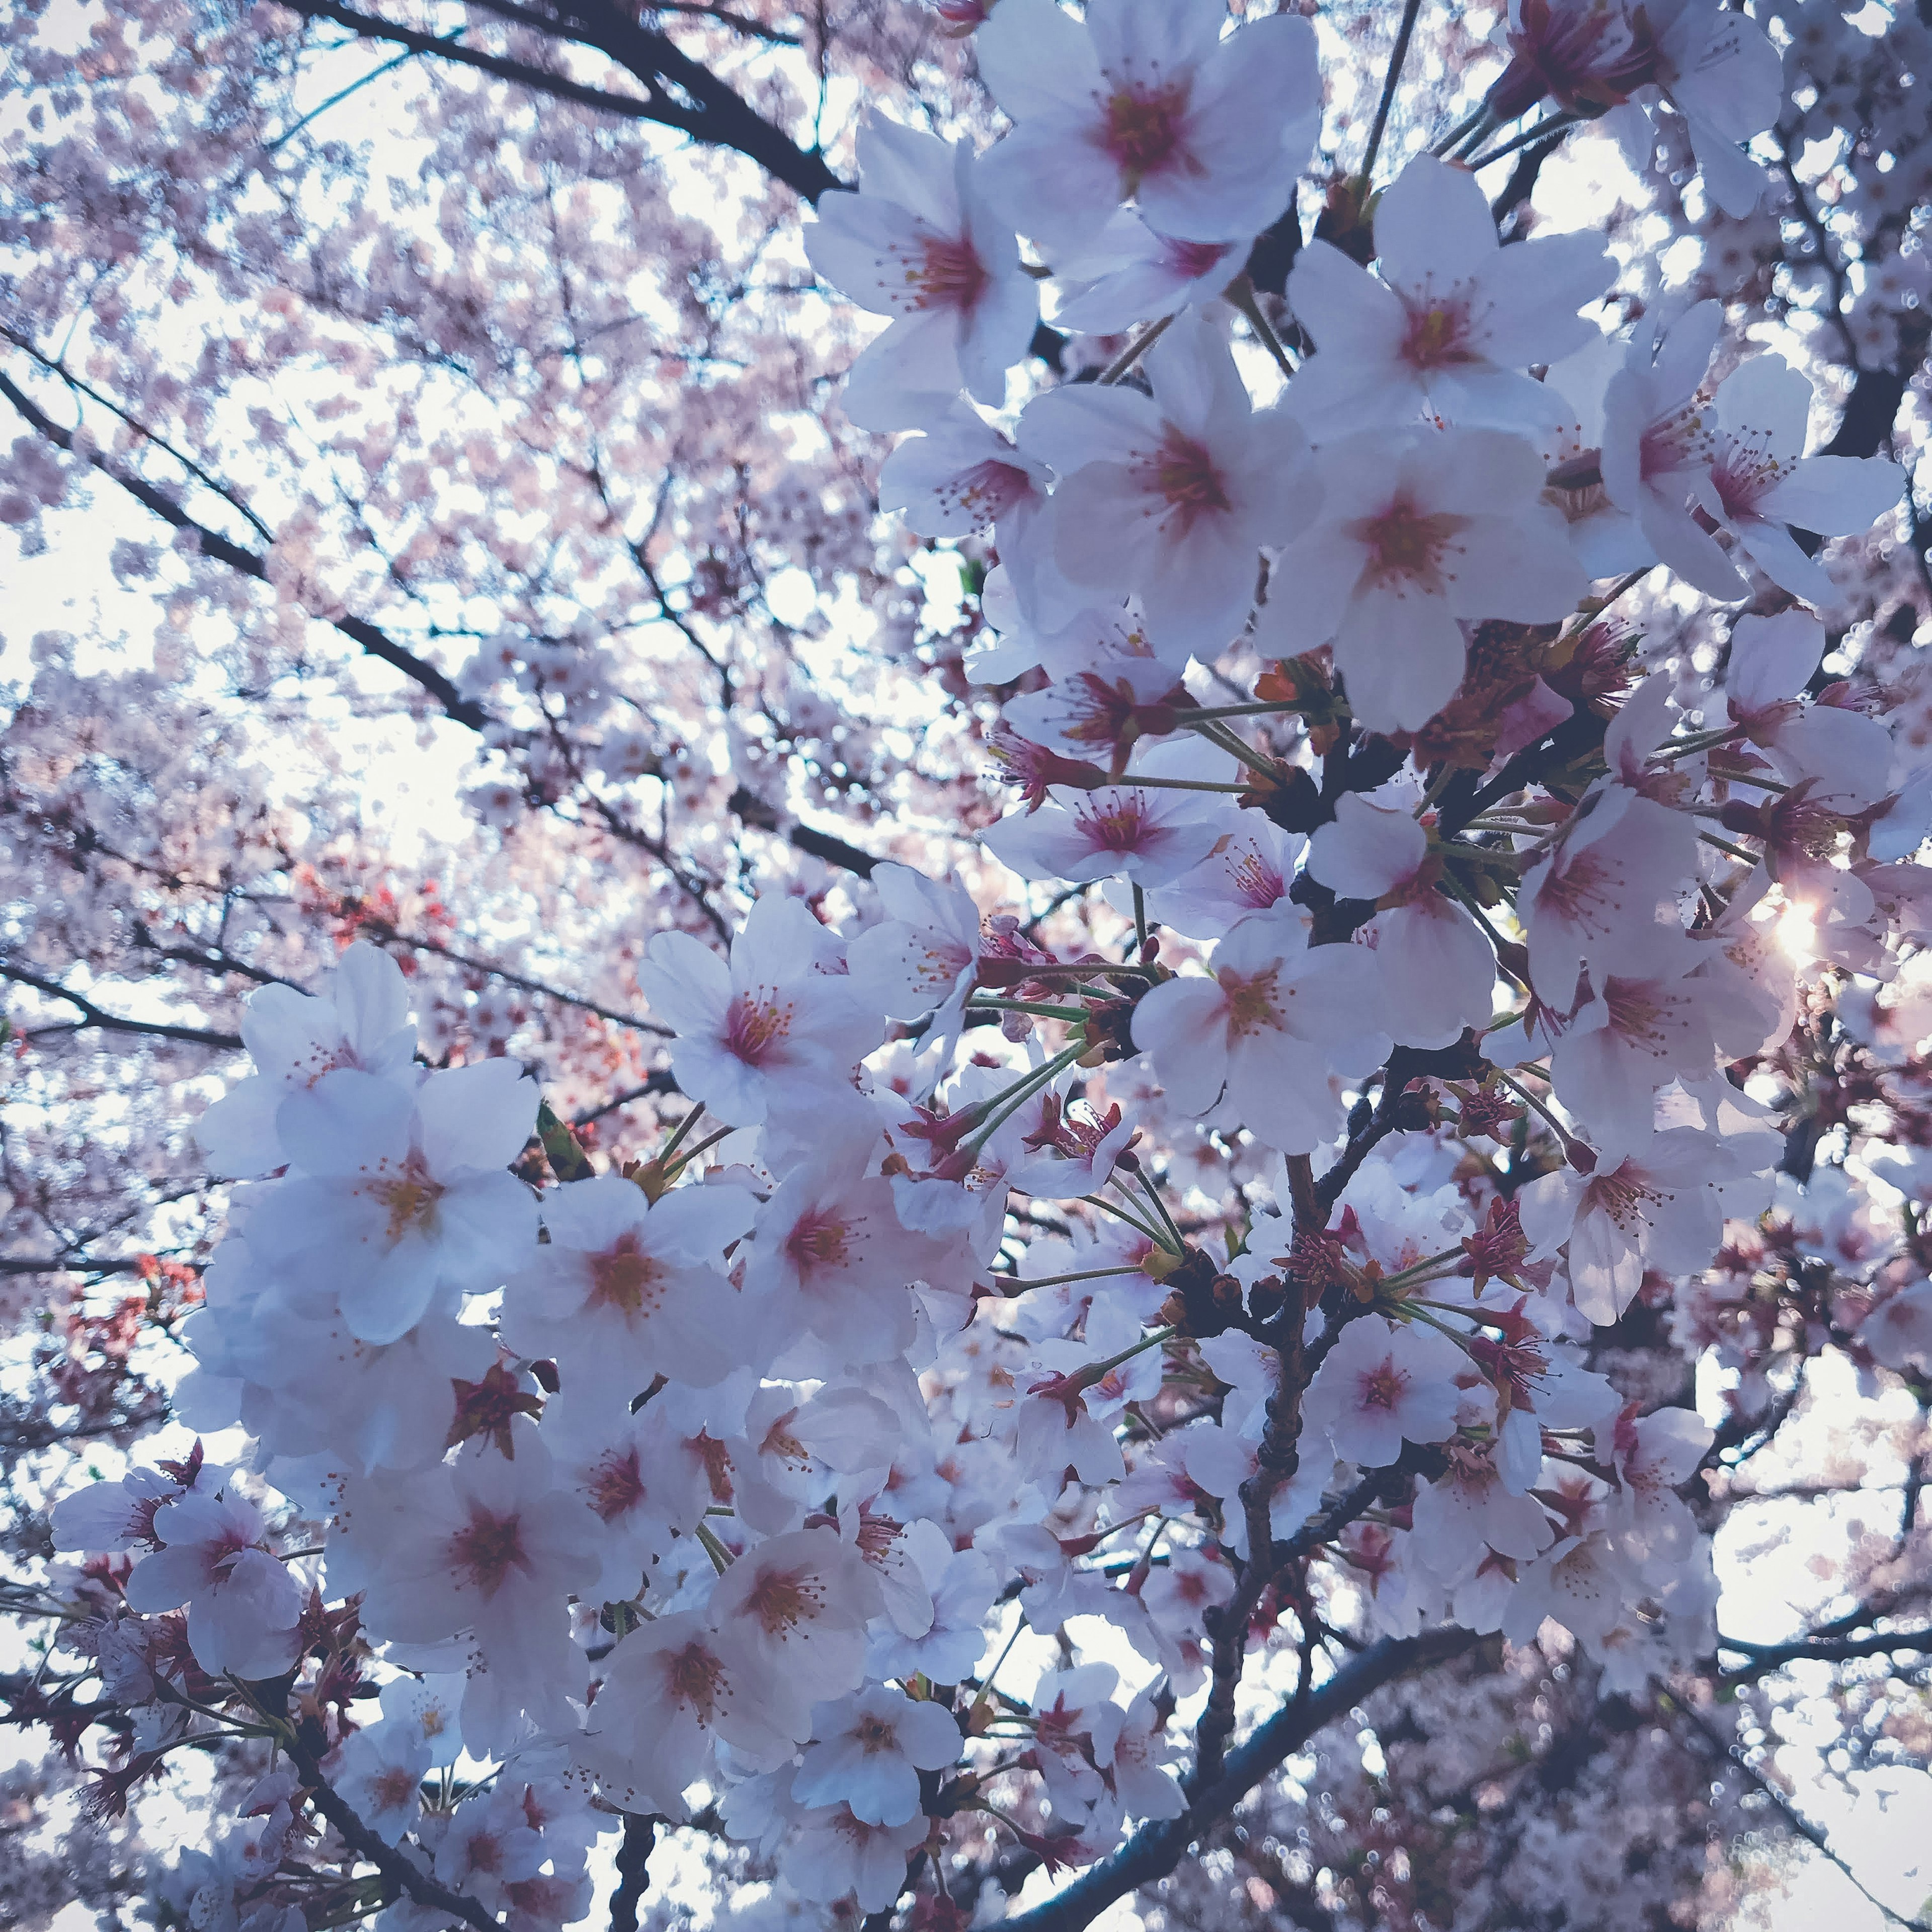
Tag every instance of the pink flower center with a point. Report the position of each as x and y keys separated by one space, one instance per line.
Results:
x=987 y=491
x=616 y=1485
x=1252 y=1000
x=410 y=1197
x=949 y=275
x=874 y=1735
x=1142 y=130
x=820 y=1239
x=1404 y=542
x=1191 y=260
x=1382 y=1386
x=1437 y=336
x=1185 y=477
x=1747 y=470
x=695 y=1677
x=488 y=1547
x=1255 y=880
x=755 y=1029
x=1117 y=828
x=394 y=1790
x=784 y=1599
x=623 y=1279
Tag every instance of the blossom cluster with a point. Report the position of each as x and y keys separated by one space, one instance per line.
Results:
x=1150 y=1299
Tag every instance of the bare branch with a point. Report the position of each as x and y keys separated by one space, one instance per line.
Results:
x=92 y=1015
x=1156 y=1848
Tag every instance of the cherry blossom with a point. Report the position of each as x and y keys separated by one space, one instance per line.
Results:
x=1169 y=498
x=1453 y=324
x=1206 y=134
x=1266 y=1032
x=1384 y=1383
x=1398 y=556
x=920 y=244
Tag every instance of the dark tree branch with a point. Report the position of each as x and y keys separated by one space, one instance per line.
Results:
x=1156 y=1848
x=634 y=1858
x=401 y=1872
x=679 y=93
x=376 y=644
x=1767 y=1657
x=92 y=1015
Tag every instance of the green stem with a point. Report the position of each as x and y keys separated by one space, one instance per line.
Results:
x=1132 y=1221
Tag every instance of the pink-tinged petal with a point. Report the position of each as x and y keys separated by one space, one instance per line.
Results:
x=1535 y=289
x=476 y=1116
x=1847 y=756
x=1366 y=851
x=1281 y=1090
x=1438 y=973
x=167 y=1580
x=1086 y=181
x=1071 y=427
x=1035 y=59
x=1768 y=397
x=1732 y=178
x=1309 y=589
x=1774 y=551
x=1336 y=300
x=1521 y=568
x=994 y=334
x=1606 y=1267
x=688 y=985
x=348 y=1120
x=1098 y=513
x=1401 y=656
x=862 y=244
x=1836 y=496
x=1154 y=40
x=1433 y=221
x=1682 y=546
x=914 y=168
x=906 y=375
x=1182 y=1025
x=1771 y=659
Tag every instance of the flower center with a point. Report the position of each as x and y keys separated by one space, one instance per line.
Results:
x=696 y=1678
x=616 y=1485
x=1382 y=1386
x=1746 y=471
x=1193 y=260
x=1187 y=479
x=623 y=1279
x=781 y=1601
x=874 y=1734
x=755 y=1029
x=950 y=273
x=488 y=1547
x=820 y=1241
x=410 y=1197
x=987 y=490
x=1252 y=1000
x=1436 y=338
x=1117 y=828
x=1142 y=129
x=1403 y=542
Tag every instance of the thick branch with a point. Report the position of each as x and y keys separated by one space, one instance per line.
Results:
x=1156 y=1848
x=92 y=1015
x=679 y=91
x=1764 y=1657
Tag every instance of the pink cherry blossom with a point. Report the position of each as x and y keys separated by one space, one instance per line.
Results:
x=1147 y=100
